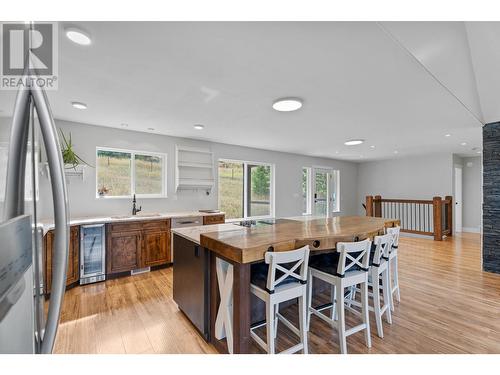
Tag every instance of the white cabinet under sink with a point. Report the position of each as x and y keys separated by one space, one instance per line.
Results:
x=194 y=168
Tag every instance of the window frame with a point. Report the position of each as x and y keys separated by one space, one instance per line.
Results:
x=246 y=187
x=132 y=153
x=308 y=190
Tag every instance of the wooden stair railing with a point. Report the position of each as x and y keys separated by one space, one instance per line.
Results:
x=418 y=216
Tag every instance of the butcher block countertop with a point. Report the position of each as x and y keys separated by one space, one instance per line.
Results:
x=249 y=245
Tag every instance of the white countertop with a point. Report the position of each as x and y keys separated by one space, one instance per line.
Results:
x=193 y=233
x=48 y=224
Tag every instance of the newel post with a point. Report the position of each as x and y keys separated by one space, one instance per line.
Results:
x=449 y=214
x=369 y=205
x=378 y=206
x=437 y=205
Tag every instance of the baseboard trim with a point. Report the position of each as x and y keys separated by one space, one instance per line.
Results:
x=471 y=229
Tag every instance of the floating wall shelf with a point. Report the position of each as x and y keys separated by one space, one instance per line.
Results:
x=194 y=168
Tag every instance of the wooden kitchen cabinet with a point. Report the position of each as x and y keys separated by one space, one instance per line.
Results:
x=123 y=251
x=214 y=219
x=73 y=272
x=156 y=249
x=137 y=244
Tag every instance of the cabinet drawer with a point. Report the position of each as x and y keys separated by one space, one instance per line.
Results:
x=156 y=224
x=213 y=219
x=125 y=227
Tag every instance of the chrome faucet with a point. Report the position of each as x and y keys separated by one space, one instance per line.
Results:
x=134 y=209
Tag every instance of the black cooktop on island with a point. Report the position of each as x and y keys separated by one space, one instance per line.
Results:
x=261 y=222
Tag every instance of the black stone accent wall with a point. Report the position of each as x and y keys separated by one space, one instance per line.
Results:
x=491 y=197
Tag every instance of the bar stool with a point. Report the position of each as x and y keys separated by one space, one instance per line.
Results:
x=281 y=278
x=345 y=268
x=378 y=280
x=393 y=265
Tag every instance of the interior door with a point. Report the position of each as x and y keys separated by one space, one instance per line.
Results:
x=322 y=192
x=458 y=199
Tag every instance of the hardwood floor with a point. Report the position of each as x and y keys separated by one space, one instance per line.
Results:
x=448 y=305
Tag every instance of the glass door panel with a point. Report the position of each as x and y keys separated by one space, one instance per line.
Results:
x=259 y=190
x=321 y=193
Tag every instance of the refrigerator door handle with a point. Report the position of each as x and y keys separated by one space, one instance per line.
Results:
x=16 y=162
x=60 y=201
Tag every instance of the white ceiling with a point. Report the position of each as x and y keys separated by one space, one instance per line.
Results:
x=399 y=86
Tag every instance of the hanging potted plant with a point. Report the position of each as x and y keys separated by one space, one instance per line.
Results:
x=70 y=158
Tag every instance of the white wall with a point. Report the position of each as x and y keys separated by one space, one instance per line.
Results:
x=288 y=174
x=416 y=177
x=472 y=194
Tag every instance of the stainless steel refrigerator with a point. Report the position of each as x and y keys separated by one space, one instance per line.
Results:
x=24 y=134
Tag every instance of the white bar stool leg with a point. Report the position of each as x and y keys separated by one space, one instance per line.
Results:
x=303 y=323
x=276 y=311
x=365 y=310
x=391 y=284
x=396 y=278
x=376 y=302
x=270 y=317
x=224 y=320
x=341 y=318
x=387 y=295
x=309 y=299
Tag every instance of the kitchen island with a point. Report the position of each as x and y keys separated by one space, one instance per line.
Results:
x=230 y=253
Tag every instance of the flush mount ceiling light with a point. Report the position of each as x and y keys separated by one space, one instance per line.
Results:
x=79 y=105
x=478 y=152
x=199 y=127
x=287 y=104
x=463 y=144
x=78 y=36
x=354 y=142
x=447 y=135
x=372 y=147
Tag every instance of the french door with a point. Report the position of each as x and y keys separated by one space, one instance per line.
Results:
x=324 y=192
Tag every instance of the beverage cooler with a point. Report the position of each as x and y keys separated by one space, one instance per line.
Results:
x=92 y=253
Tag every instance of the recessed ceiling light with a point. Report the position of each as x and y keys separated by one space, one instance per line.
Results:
x=478 y=152
x=396 y=151
x=199 y=127
x=287 y=104
x=447 y=135
x=353 y=142
x=78 y=36
x=79 y=105
x=463 y=144
x=372 y=146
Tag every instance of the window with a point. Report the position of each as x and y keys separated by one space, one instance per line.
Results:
x=320 y=191
x=246 y=189
x=122 y=173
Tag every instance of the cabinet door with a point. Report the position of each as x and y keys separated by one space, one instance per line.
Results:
x=72 y=274
x=156 y=249
x=123 y=251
